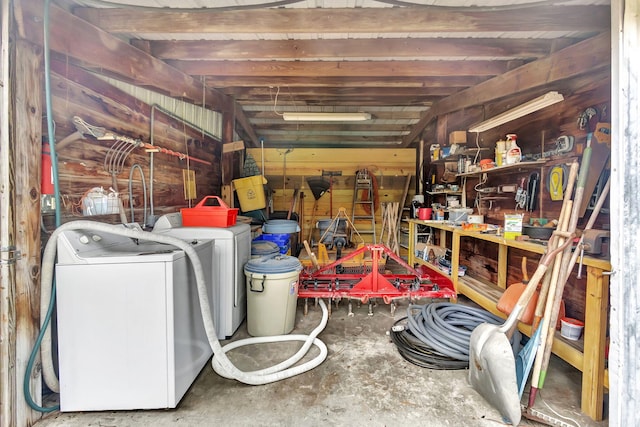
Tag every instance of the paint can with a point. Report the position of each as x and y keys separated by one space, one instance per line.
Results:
x=425 y=213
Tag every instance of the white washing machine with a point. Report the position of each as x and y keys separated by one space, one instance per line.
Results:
x=230 y=253
x=130 y=333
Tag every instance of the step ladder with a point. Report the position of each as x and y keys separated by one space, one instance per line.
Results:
x=363 y=209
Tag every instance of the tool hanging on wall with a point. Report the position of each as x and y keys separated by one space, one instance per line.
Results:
x=102 y=134
x=557 y=182
x=533 y=186
x=318 y=185
x=521 y=194
x=114 y=164
x=389 y=230
x=564 y=144
x=600 y=155
x=331 y=174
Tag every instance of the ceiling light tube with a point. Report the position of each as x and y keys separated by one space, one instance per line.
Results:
x=536 y=104
x=326 y=117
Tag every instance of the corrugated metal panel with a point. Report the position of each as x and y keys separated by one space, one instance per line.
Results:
x=209 y=121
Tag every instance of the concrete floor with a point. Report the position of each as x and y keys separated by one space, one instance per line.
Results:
x=364 y=381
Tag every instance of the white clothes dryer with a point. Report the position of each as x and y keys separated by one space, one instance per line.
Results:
x=231 y=252
x=130 y=333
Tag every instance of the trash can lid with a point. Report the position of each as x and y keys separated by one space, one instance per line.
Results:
x=282 y=226
x=264 y=247
x=273 y=264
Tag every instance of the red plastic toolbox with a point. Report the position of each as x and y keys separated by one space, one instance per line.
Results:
x=206 y=214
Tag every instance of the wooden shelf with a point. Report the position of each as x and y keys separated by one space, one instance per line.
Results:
x=487 y=296
x=451 y=158
x=587 y=354
x=516 y=167
x=430 y=266
x=433 y=193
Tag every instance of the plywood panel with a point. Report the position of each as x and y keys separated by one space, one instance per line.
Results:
x=388 y=167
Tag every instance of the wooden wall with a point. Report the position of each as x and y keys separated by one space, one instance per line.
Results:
x=82 y=167
x=536 y=132
x=389 y=167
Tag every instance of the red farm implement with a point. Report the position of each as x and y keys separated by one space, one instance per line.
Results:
x=335 y=281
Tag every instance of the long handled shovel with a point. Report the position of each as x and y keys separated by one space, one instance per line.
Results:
x=491 y=362
x=553 y=301
x=525 y=358
x=563 y=224
x=571 y=264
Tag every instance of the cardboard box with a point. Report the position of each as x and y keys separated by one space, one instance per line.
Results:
x=458 y=137
x=513 y=225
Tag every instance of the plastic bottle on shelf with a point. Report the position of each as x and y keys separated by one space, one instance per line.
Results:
x=501 y=148
x=514 y=154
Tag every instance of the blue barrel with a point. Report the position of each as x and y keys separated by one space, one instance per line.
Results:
x=280 y=227
x=281 y=240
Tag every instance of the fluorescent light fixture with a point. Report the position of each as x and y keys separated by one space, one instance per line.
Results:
x=326 y=117
x=536 y=104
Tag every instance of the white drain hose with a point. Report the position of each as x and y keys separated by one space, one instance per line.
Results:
x=221 y=363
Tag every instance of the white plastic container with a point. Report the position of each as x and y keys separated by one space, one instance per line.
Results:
x=272 y=294
x=459 y=215
x=514 y=154
x=475 y=219
x=571 y=329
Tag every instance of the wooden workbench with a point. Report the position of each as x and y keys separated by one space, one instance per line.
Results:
x=587 y=354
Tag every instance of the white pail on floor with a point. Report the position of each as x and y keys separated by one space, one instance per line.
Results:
x=272 y=294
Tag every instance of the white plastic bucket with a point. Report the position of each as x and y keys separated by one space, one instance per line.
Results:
x=272 y=294
x=571 y=329
x=459 y=216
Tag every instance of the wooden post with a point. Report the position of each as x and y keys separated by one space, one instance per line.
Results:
x=29 y=93
x=7 y=269
x=228 y=123
x=595 y=338
x=21 y=229
x=503 y=272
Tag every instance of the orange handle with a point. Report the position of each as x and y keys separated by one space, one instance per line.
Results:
x=221 y=202
x=525 y=274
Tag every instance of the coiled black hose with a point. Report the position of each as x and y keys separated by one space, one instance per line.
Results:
x=436 y=335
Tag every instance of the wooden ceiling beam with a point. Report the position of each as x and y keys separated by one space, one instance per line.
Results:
x=582 y=58
x=360 y=81
x=341 y=68
x=325 y=145
x=353 y=20
x=282 y=126
x=350 y=48
x=323 y=139
x=75 y=38
x=355 y=92
x=347 y=102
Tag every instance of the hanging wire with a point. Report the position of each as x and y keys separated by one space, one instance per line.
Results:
x=186 y=147
x=144 y=193
x=275 y=101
